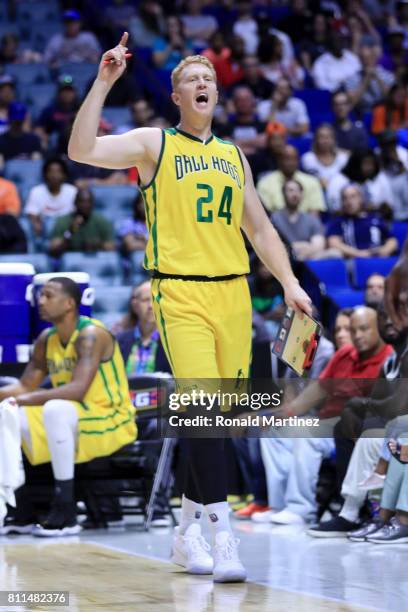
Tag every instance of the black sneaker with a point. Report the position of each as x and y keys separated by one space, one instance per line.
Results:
x=14 y=526
x=391 y=533
x=360 y=535
x=61 y=521
x=337 y=527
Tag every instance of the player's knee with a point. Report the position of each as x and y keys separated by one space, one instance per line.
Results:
x=57 y=411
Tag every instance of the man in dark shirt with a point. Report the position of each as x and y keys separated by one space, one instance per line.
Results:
x=12 y=237
x=356 y=233
x=261 y=88
x=61 y=112
x=15 y=143
x=350 y=135
x=244 y=127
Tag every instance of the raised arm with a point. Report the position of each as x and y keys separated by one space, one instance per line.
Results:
x=113 y=152
x=269 y=247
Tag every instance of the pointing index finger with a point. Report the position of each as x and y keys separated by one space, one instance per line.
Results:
x=124 y=39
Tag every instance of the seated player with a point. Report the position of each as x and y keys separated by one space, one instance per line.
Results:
x=87 y=413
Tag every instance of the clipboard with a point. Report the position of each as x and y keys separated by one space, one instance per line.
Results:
x=297 y=341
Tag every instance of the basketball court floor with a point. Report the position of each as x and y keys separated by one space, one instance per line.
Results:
x=129 y=570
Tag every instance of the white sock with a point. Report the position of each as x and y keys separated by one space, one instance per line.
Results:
x=218 y=515
x=191 y=512
x=61 y=422
x=350 y=509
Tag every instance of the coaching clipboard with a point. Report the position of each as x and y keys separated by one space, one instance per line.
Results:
x=297 y=340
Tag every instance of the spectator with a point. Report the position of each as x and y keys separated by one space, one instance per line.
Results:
x=284 y=108
x=133 y=232
x=316 y=43
x=9 y=199
x=270 y=53
x=302 y=231
x=341 y=332
x=244 y=126
x=363 y=168
x=16 y=143
x=7 y=96
x=12 y=236
x=148 y=24
x=168 y=51
x=395 y=59
x=270 y=186
x=246 y=27
x=226 y=58
x=297 y=23
x=267 y=159
x=142 y=115
x=325 y=160
x=374 y=290
x=82 y=230
x=266 y=31
x=54 y=197
x=198 y=26
x=292 y=464
x=140 y=344
x=252 y=78
x=350 y=135
x=333 y=69
x=371 y=83
x=394 y=158
x=73 y=45
x=61 y=111
x=11 y=53
x=393 y=114
x=358 y=234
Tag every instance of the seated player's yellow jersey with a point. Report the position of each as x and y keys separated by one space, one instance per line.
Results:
x=194 y=206
x=109 y=387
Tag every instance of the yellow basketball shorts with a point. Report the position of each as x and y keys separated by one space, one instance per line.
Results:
x=101 y=432
x=205 y=327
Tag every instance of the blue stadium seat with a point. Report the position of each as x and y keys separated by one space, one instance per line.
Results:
x=400 y=231
x=40 y=33
x=331 y=272
x=302 y=143
x=37 y=12
x=114 y=201
x=104 y=267
x=347 y=298
x=25 y=173
x=365 y=266
x=111 y=299
x=40 y=261
x=38 y=96
x=28 y=74
x=117 y=115
x=316 y=100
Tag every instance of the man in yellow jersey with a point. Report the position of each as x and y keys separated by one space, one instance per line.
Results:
x=87 y=413
x=199 y=194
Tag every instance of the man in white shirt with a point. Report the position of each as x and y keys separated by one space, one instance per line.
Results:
x=52 y=198
x=286 y=109
x=73 y=45
x=333 y=69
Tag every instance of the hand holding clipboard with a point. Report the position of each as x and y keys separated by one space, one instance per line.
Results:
x=297 y=341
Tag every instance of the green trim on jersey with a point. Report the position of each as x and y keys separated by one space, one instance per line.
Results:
x=143 y=187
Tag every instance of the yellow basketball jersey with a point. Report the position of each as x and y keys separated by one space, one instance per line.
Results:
x=109 y=387
x=194 y=206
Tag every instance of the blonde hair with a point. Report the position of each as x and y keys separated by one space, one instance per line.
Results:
x=191 y=59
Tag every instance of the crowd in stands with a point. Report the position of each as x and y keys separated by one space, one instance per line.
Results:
x=314 y=93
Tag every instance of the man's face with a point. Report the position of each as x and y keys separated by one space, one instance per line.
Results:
x=7 y=94
x=84 y=203
x=66 y=96
x=196 y=91
x=55 y=175
x=54 y=303
x=276 y=143
x=244 y=101
x=342 y=334
x=250 y=65
x=289 y=161
x=352 y=201
x=341 y=106
x=283 y=89
x=374 y=291
x=142 y=304
x=141 y=112
x=293 y=195
x=387 y=330
x=72 y=28
x=369 y=56
x=364 y=330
